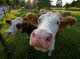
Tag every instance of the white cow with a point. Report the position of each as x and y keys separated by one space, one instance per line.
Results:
x=43 y=38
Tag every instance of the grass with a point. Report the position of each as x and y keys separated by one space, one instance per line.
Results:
x=67 y=45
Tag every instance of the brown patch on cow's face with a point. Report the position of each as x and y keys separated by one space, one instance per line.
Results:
x=8 y=21
x=19 y=26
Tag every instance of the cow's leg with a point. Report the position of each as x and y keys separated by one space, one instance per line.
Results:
x=50 y=53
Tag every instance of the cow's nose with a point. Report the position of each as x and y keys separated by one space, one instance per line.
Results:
x=8 y=33
x=42 y=34
x=41 y=38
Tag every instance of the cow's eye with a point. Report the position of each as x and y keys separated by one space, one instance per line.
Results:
x=39 y=20
x=58 y=22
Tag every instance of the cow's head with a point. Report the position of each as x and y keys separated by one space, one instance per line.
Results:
x=17 y=26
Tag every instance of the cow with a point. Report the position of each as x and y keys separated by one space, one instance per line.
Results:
x=50 y=25
x=66 y=13
x=19 y=26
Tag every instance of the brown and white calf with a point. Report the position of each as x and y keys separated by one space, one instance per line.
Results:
x=19 y=26
x=50 y=24
x=43 y=38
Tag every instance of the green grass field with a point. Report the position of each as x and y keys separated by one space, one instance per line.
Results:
x=67 y=45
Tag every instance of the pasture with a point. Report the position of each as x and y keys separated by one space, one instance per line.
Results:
x=67 y=45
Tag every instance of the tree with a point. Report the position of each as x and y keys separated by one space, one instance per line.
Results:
x=44 y=3
x=59 y=3
x=12 y=3
x=3 y=3
x=78 y=3
x=39 y=4
x=73 y=4
x=67 y=5
x=8 y=2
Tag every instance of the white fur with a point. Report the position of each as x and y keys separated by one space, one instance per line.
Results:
x=49 y=23
x=13 y=29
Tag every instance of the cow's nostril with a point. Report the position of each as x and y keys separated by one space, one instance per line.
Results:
x=9 y=32
x=48 y=39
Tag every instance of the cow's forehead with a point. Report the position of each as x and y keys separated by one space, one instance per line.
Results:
x=49 y=16
x=17 y=20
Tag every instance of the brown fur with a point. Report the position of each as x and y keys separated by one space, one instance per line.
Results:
x=66 y=13
x=25 y=19
x=57 y=34
x=67 y=21
x=27 y=27
x=19 y=26
x=32 y=18
x=8 y=21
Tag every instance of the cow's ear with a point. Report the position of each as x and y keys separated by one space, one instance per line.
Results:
x=67 y=21
x=25 y=19
x=8 y=21
x=25 y=24
x=19 y=26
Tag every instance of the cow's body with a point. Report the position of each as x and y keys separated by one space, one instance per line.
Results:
x=66 y=13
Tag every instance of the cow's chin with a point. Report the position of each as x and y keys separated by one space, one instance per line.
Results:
x=41 y=39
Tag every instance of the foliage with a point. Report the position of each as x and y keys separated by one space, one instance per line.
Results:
x=39 y=4
x=67 y=5
x=3 y=3
x=75 y=4
x=12 y=3
x=44 y=3
x=59 y=3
